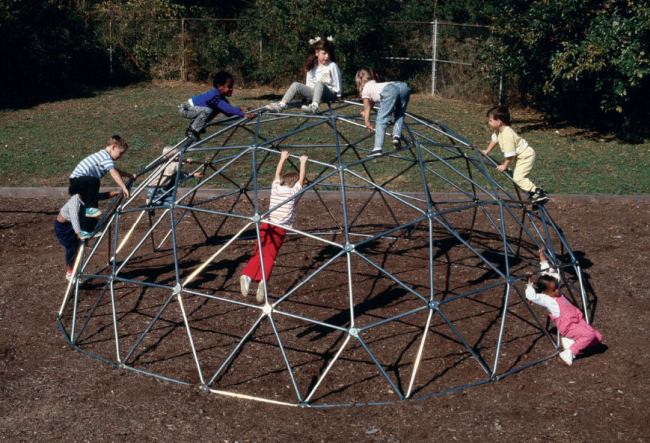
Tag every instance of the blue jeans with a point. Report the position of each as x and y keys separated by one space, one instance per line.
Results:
x=160 y=196
x=68 y=239
x=394 y=99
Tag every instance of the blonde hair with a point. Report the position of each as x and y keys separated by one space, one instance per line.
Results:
x=363 y=76
x=289 y=178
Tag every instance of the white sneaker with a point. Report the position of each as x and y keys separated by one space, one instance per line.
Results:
x=567 y=357
x=259 y=296
x=276 y=107
x=244 y=284
x=312 y=107
x=566 y=342
x=397 y=144
x=375 y=152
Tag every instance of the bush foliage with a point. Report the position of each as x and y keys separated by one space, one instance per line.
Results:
x=581 y=60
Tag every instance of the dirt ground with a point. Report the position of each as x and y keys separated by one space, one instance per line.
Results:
x=50 y=392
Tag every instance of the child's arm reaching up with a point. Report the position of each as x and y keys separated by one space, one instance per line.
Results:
x=491 y=145
x=367 y=108
x=303 y=170
x=531 y=295
x=541 y=299
x=284 y=155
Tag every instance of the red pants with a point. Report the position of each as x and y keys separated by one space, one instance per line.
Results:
x=271 y=238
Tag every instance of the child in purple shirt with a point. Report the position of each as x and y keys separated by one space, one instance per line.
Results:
x=203 y=107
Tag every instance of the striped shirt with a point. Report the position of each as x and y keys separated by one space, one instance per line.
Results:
x=95 y=165
x=285 y=215
x=70 y=212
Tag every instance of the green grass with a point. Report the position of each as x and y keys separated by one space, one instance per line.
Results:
x=41 y=145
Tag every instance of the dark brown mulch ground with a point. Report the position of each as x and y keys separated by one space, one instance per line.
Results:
x=50 y=392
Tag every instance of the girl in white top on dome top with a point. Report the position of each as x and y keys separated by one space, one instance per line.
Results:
x=323 y=80
x=393 y=98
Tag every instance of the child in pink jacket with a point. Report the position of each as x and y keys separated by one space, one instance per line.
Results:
x=576 y=334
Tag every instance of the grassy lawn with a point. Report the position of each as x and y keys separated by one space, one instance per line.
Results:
x=41 y=145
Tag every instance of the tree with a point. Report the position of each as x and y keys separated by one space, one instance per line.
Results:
x=585 y=60
x=47 y=50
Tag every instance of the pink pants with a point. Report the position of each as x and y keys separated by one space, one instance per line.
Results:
x=271 y=238
x=584 y=336
x=571 y=324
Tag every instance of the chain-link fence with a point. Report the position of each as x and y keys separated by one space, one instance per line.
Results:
x=439 y=57
x=443 y=58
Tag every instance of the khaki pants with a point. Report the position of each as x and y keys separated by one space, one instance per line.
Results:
x=523 y=166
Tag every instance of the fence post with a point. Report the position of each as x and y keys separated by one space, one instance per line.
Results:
x=110 y=47
x=501 y=89
x=434 y=51
x=183 y=77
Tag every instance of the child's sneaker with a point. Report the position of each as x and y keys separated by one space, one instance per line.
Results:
x=192 y=134
x=567 y=357
x=399 y=143
x=276 y=107
x=259 y=296
x=566 y=342
x=93 y=212
x=85 y=235
x=539 y=197
x=69 y=275
x=312 y=108
x=244 y=284
x=375 y=152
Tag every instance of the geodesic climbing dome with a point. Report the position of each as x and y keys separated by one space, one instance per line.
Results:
x=403 y=277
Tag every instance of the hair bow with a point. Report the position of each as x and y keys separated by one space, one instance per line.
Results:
x=313 y=41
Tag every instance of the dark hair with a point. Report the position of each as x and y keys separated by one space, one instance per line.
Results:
x=323 y=44
x=543 y=283
x=118 y=141
x=221 y=77
x=500 y=113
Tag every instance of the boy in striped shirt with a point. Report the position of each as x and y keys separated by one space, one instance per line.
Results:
x=285 y=186
x=85 y=178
